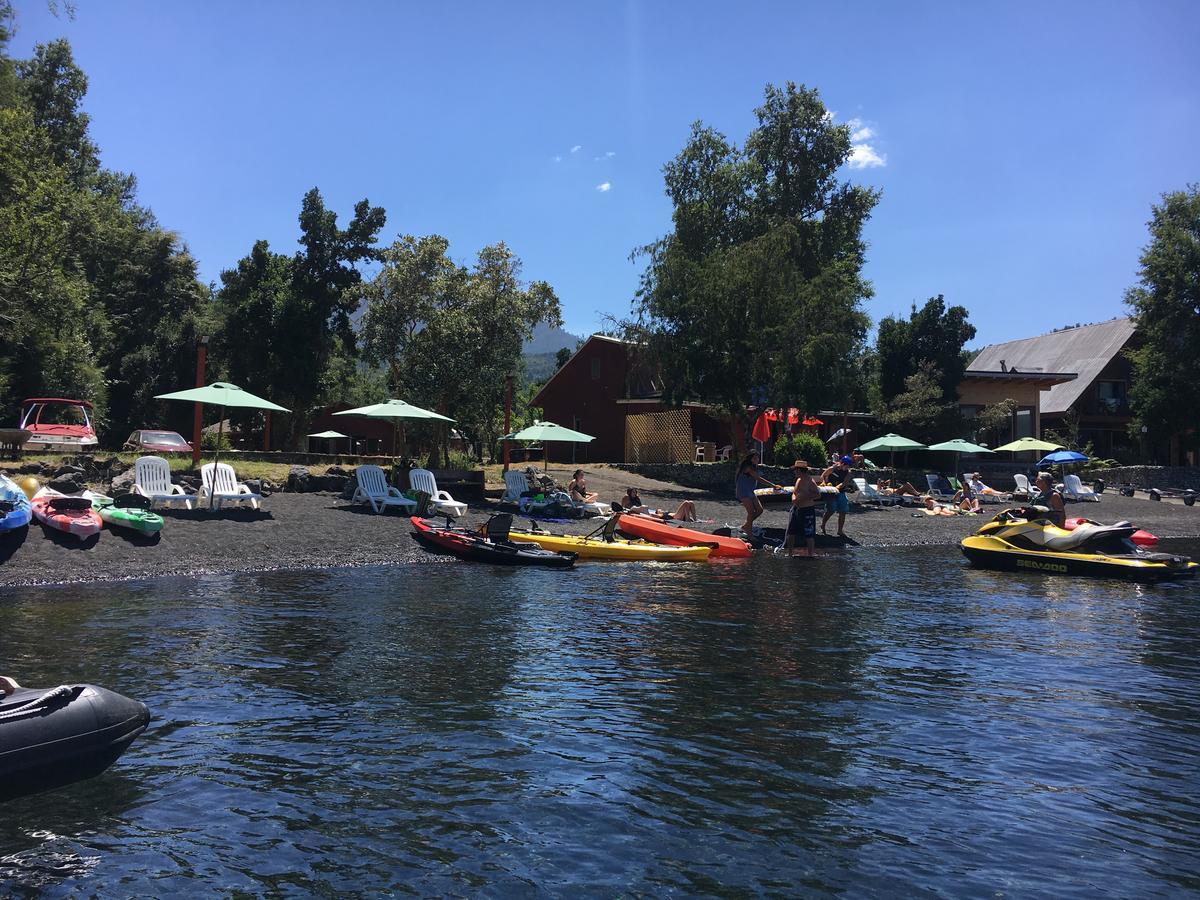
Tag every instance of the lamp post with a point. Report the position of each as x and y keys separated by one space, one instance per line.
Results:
x=508 y=386
x=198 y=417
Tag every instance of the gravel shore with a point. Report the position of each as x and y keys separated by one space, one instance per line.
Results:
x=304 y=531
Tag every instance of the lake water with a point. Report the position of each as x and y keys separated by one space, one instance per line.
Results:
x=880 y=721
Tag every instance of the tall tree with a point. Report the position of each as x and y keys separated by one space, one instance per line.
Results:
x=448 y=334
x=1165 y=391
x=761 y=277
x=934 y=334
x=54 y=87
x=920 y=411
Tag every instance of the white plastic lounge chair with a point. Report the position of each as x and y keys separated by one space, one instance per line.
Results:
x=868 y=493
x=1022 y=483
x=440 y=502
x=723 y=453
x=219 y=485
x=934 y=490
x=515 y=484
x=1073 y=489
x=373 y=489
x=152 y=480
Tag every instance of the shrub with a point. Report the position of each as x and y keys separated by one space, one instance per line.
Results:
x=805 y=446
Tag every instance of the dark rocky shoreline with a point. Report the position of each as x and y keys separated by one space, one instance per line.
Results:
x=321 y=530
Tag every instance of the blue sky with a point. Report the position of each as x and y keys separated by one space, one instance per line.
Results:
x=1019 y=146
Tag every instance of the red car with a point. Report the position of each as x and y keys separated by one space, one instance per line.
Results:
x=58 y=424
x=157 y=442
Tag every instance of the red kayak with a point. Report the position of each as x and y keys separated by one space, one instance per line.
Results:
x=660 y=532
x=72 y=515
x=1140 y=537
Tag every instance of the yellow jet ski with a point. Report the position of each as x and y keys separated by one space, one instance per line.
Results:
x=1023 y=539
x=603 y=544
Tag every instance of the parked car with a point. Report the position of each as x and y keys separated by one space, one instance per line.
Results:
x=57 y=423
x=157 y=442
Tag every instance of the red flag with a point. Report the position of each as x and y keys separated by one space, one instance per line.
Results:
x=762 y=429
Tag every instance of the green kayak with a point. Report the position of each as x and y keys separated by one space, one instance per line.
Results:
x=127 y=513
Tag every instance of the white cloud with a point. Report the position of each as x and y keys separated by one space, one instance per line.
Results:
x=610 y=154
x=604 y=187
x=558 y=159
x=577 y=148
x=864 y=156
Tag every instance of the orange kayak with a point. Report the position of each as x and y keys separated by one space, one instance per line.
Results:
x=651 y=529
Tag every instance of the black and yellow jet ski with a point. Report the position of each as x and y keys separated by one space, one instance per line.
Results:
x=1023 y=539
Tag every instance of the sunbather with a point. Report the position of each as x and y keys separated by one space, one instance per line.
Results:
x=933 y=508
x=578 y=489
x=632 y=503
x=905 y=489
x=965 y=499
x=978 y=486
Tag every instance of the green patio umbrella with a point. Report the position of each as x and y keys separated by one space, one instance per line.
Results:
x=1027 y=443
x=329 y=436
x=394 y=410
x=959 y=446
x=224 y=395
x=548 y=431
x=891 y=443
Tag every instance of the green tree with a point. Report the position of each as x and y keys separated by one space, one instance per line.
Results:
x=447 y=335
x=54 y=86
x=1165 y=391
x=934 y=334
x=920 y=411
x=761 y=277
x=995 y=422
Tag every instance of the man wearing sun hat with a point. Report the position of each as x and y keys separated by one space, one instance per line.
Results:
x=802 y=523
x=837 y=475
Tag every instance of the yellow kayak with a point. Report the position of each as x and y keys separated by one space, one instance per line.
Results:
x=598 y=548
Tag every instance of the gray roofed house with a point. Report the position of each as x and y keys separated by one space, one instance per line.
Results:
x=1098 y=394
x=1086 y=350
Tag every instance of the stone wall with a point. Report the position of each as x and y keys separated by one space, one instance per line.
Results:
x=1176 y=477
x=719 y=477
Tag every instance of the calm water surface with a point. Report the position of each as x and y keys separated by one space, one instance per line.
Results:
x=881 y=722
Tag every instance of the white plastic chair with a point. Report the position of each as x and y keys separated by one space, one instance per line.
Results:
x=374 y=490
x=868 y=493
x=441 y=502
x=1073 y=489
x=934 y=490
x=152 y=480
x=219 y=485
x=515 y=484
x=1022 y=483
x=723 y=453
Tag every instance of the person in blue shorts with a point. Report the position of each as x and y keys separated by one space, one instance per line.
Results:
x=837 y=475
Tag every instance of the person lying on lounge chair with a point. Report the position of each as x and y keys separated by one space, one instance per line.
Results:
x=632 y=503
x=903 y=489
x=978 y=486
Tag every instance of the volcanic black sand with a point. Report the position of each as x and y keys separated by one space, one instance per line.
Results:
x=302 y=531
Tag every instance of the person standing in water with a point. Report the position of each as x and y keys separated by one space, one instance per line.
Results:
x=802 y=523
x=747 y=480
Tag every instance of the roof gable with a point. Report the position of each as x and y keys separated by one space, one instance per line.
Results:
x=1085 y=350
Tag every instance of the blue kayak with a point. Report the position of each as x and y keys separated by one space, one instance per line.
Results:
x=15 y=511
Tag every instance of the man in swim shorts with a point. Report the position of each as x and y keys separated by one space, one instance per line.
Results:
x=802 y=523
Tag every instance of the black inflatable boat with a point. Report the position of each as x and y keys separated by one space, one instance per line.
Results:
x=56 y=736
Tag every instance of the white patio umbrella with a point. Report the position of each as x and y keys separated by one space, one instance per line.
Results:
x=329 y=436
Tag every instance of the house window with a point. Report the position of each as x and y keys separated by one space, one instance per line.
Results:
x=1111 y=396
x=1023 y=424
x=595 y=368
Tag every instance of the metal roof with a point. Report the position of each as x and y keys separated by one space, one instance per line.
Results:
x=1085 y=350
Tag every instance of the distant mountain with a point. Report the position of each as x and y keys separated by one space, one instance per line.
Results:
x=550 y=340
